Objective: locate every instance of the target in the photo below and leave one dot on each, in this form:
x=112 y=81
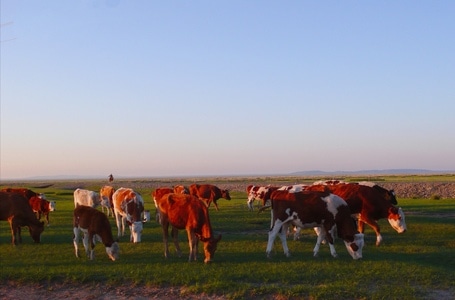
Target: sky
x=193 y=88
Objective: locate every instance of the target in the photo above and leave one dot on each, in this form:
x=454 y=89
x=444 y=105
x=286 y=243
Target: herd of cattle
x=332 y=208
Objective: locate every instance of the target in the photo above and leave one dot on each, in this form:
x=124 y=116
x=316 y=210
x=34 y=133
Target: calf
x=129 y=208
x=92 y=222
x=209 y=193
x=307 y=209
x=15 y=209
x=41 y=207
x=187 y=212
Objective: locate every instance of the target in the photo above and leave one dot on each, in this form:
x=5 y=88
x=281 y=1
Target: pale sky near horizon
x=182 y=88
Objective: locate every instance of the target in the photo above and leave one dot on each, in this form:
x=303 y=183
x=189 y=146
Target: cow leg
x=85 y=242
x=47 y=218
x=76 y=237
x=320 y=239
x=175 y=237
x=274 y=230
x=283 y=238
x=216 y=205
x=192 y=242
x=119 y=223
x=373 y=224
x=165 y=226
x=19 y=234
x=330 y=240
x=13 y=226
x=91 y=238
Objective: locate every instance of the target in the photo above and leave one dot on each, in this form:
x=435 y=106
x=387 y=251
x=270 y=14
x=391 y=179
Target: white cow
x=88 y=198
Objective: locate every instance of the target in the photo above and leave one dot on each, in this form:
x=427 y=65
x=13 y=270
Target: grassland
x=416 y=265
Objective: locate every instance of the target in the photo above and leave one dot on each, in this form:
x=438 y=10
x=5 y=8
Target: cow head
x=113 y=251
x=51 y=205
x=225 y=194
x=136 y=231
x=210 y=245
x=396 y=219
x=355 y=248
x=35 y=231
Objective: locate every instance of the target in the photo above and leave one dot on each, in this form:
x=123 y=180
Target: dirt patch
x=11 y=291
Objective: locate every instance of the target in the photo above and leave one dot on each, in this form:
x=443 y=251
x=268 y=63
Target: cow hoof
x=288 y=254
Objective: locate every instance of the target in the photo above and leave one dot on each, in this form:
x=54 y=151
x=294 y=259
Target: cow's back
x=27 y=193
x=86 y=198
x=92 y=219
x=183 y=210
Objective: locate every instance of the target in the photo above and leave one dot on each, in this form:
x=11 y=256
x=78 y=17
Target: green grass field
x=417 y=264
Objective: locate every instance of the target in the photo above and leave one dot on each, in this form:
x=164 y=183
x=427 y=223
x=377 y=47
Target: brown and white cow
x=307 y=209
x=41 y=207
x=106 y=193
x=259 y=193
x=370 y=202
x=209 y=193
x=15 y=209
x=93 y=223
x=88 y=198
x=129 y=208
x=184 y=211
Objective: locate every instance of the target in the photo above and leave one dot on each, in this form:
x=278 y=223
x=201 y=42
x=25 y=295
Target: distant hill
x=371 y=172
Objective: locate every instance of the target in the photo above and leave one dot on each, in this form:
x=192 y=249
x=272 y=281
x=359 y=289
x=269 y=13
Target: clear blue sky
x=172 y=88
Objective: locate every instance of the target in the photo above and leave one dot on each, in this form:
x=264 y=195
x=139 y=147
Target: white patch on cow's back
x=333 y=202
x=367 y=183
x=296 y=188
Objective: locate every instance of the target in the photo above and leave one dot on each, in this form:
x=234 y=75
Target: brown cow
x=209 y=193
x=371 y=203
x=38 y=202
x=187 y=212
x=308 y=209
x=15 y=209
x=92 y=222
